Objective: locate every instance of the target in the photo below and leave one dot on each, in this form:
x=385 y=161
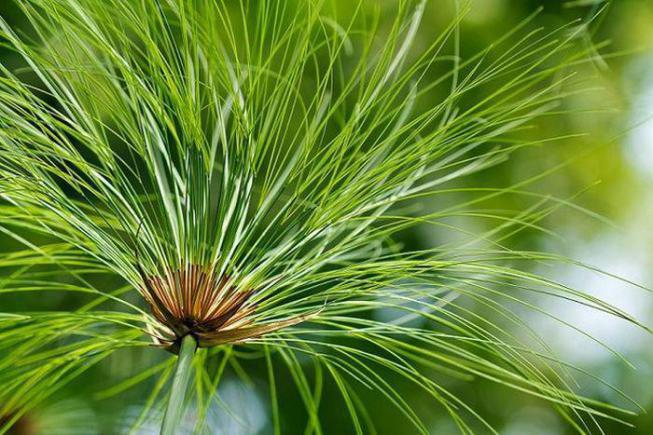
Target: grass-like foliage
x=246 y=169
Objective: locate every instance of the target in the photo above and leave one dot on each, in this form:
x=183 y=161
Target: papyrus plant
x=245 y=169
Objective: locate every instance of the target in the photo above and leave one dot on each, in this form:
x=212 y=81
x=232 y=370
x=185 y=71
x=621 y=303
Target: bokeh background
x=607 y=168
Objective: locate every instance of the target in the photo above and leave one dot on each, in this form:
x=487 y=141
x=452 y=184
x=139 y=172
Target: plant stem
x=176 y=402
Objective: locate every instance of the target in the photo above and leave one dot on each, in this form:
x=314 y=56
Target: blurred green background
x=608 y=169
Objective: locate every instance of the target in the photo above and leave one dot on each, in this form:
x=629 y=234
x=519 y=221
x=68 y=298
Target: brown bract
x=193 y=300
x=22 y=425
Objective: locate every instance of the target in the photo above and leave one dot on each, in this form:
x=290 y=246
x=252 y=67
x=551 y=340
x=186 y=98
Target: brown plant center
x=194 y=300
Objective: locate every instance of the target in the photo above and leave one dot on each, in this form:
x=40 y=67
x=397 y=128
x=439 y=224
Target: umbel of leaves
x=245 y=170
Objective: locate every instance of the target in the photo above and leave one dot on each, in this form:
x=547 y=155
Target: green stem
x=176 y=402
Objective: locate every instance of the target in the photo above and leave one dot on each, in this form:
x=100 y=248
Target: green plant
x=246 y=168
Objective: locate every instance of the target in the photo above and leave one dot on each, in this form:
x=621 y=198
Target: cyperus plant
x=247 y=168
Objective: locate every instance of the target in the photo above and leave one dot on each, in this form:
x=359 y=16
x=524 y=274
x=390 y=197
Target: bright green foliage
x=279 y=144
